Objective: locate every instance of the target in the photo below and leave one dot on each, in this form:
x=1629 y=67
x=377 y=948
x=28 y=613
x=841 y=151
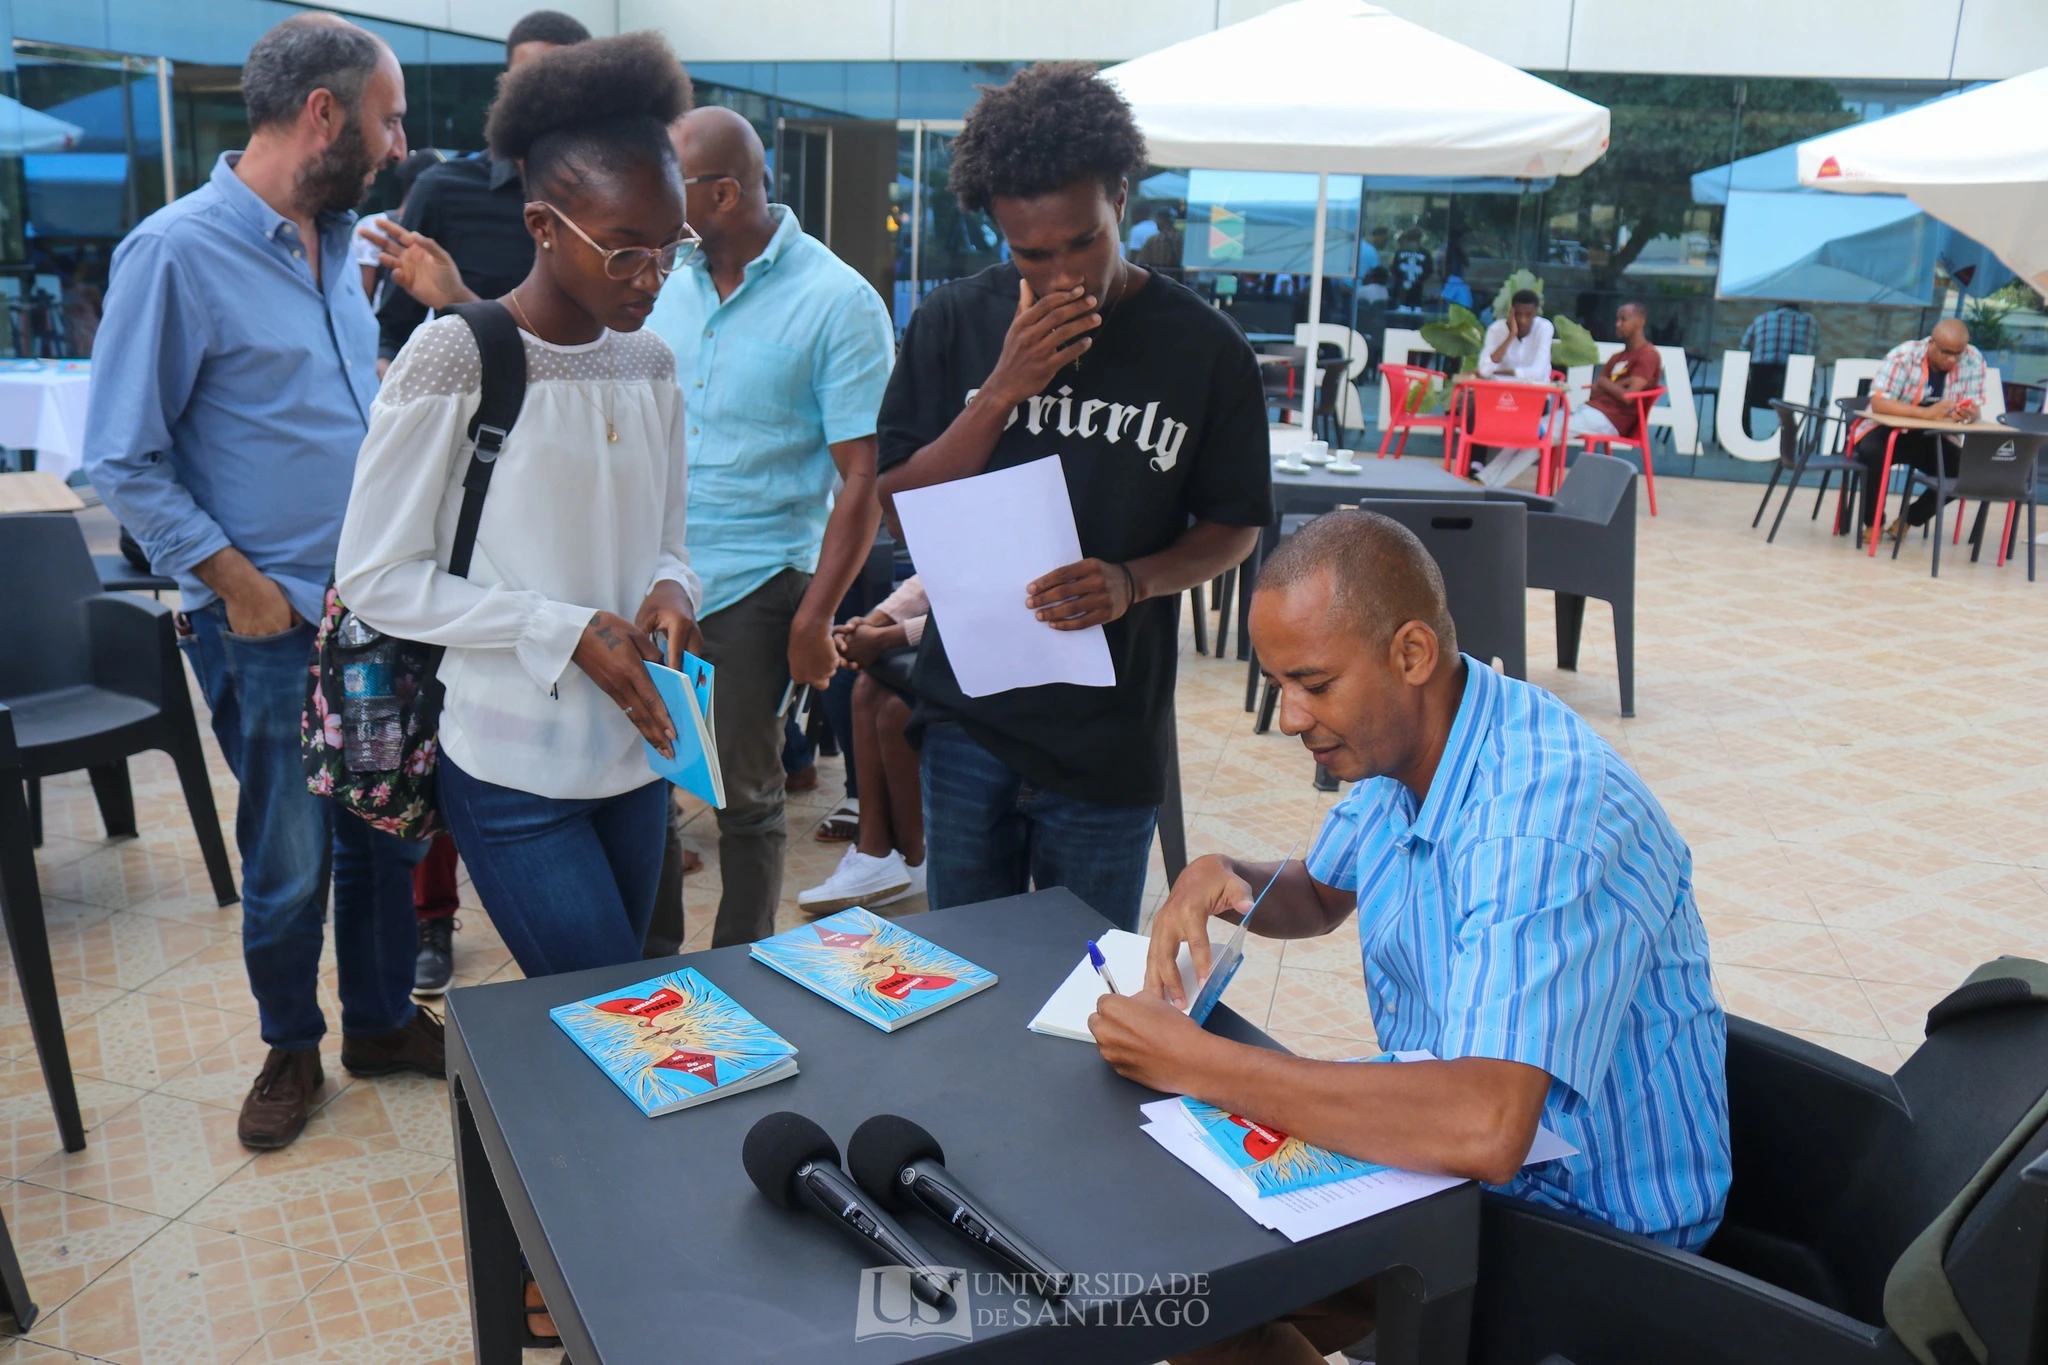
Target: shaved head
x=715 y=140
x=1381 y=576
x=1952 y=333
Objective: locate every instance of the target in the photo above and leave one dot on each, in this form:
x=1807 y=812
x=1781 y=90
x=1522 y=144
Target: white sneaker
x=858 y=880
x=916 y=887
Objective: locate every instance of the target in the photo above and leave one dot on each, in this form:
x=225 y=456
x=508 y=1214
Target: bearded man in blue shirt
x=233 y=376
x=1525 y=913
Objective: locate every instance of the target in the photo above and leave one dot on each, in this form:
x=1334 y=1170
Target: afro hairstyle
x=594 y=109
x=1053 y=124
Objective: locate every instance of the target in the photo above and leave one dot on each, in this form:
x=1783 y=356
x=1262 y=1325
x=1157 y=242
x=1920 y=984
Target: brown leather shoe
x=276 y=1109
x=419 y=1046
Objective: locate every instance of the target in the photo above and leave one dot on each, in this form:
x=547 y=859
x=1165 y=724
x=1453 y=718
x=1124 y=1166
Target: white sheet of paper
x=1065 y=1012
x=977 y=543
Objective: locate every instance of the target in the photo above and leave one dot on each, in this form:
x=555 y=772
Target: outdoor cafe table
x=1899 y=424
x=651 y=1244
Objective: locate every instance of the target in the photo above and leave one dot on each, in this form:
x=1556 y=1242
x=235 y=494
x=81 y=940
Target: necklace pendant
x=611 y=433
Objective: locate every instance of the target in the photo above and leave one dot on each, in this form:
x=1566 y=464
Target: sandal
x=536 y=1313
x=843 y=824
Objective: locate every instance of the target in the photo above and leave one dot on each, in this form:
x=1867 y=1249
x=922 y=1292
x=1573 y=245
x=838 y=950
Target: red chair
x=1644 y=400
x=1408 y=389
x=1494 y=412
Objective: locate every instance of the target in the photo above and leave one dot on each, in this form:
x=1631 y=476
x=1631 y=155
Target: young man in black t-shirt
x=1152 y=402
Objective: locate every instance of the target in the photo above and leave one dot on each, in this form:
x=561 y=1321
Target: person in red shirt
x=1609 y=410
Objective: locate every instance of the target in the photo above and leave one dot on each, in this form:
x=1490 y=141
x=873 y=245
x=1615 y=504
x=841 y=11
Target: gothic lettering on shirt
x=1093 y=419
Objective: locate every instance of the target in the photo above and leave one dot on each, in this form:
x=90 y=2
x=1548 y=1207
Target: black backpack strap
x=504 y=391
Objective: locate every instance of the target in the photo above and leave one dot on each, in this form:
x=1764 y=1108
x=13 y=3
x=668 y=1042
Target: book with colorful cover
x=676 y=1040
x=870 y=967
x=686 y=692
x=1270 y=1161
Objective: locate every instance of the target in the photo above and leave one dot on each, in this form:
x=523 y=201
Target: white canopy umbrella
x=1978 y=161
x=1342 y=86
x=23 y=129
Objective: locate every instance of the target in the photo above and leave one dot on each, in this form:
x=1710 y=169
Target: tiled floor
x=1850 y=748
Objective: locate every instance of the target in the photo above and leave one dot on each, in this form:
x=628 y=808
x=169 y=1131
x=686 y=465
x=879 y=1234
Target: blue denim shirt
x=229 y=392
x=792 y=363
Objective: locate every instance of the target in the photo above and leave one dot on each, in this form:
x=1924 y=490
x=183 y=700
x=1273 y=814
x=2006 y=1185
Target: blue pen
x=1102 y=967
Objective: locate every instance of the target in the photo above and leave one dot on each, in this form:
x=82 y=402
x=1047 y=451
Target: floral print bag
x=397 y=796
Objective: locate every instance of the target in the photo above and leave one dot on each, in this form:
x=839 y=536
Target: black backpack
x=398 y=798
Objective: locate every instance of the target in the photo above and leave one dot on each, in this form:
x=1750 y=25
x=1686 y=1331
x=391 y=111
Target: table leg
x=489 y=1243
x=1413 y=1331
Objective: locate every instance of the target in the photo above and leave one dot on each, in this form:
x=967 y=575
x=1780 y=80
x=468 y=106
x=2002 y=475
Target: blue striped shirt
x=1538 y=908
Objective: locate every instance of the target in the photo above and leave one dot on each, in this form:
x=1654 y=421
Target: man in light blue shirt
x=783 y=352
x=1525 y=914
x=232 y=383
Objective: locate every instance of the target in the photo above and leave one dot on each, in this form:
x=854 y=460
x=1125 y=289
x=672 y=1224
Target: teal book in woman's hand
x=686 y=692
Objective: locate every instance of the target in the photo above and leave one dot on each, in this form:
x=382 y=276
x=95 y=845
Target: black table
x=651 y=1244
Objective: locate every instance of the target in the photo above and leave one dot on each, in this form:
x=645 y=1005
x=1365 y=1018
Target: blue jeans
x=291 y=841
x=989 y=833
x=568 y=884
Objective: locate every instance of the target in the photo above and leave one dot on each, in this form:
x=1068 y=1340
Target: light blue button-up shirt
x=229 y=393
x=791 y=364
x=1538 y=908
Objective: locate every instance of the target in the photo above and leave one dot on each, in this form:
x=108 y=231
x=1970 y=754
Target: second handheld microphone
x=900 y=1164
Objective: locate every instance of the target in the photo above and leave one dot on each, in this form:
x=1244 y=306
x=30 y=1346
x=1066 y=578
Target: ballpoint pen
x=1101 y=965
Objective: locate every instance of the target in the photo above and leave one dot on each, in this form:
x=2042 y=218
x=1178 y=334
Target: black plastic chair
x=87 y=679
x=1583 y=544
x=1858 y=1198
x=1334 y=372
x=1799 y=437
x=1988 y=468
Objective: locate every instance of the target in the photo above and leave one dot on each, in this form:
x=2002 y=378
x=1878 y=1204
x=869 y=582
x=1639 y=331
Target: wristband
x=1130 y=582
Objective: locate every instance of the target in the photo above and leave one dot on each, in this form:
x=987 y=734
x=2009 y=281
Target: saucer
x=1289 y=467
x=1315 y=457
x=1344 y=467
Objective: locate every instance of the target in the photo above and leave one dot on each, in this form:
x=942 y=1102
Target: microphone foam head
x=777 y=1147
x=883 y=1146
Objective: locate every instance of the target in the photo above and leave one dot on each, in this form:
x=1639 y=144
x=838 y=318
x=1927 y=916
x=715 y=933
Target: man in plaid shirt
x=1941 y=379
x=1770 y=339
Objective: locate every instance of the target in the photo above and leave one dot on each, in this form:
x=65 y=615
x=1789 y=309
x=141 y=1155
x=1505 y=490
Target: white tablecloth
x=44 y=410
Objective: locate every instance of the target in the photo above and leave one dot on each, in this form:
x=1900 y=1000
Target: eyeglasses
x=626 y=262
x=1953 y=353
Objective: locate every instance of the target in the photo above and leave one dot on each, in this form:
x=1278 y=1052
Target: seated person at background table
x=1517 y=347
x=1609 y=410
x=1771 y=339
x=1526 y=913
x=886 y=862
x=1152 y=401
x=1940 y=379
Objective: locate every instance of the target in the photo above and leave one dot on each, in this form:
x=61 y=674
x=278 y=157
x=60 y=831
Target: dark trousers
x=1303 y=1337
x=1920 y=449
x=1766 y=381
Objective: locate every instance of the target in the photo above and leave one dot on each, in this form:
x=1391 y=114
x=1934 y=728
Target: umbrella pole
x=1313 y=391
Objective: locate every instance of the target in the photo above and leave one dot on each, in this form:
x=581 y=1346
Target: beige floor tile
x=28 y=1128
x=215 y=978
x=142 y=1040
x=1327 y=1003
x=406 y=1110
x=1879 y=1053
x=1828 y=1004
x=160 y=1154
x=360 y=1315
x=1322 y=1047
x=1336 y=951
x=77 y=1001
x=126 y=949
x=1789 y=945
x=223 y=1076
x=66 y=1241
x=424 y=1238
x=21 y=1351
x=325 y=1193
x=187 y=1296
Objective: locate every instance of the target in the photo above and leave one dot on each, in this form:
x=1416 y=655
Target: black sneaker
x=437 y=956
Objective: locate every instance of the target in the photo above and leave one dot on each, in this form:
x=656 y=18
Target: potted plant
x=1461 y=337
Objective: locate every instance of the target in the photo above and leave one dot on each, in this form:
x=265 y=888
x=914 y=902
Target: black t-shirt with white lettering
x=1162 y=422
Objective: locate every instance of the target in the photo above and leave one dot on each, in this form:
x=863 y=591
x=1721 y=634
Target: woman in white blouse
x=579 y=562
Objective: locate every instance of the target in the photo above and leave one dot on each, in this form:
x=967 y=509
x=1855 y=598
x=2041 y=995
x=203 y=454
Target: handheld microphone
x=901 y=1165
x=796 y=1164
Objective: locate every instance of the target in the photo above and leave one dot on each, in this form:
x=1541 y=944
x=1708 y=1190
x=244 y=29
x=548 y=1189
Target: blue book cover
x=675 y=1041
x=870 y=967
x=686 y=692
x=1271 y=1161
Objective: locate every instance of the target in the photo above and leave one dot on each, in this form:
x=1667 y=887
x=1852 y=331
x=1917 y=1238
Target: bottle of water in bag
x=372 y=733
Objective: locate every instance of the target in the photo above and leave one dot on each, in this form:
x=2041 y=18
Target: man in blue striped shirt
x=1525 y=913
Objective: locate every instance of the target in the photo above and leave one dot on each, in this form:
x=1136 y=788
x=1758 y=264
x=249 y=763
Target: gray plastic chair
x=1482 y=549
x=1799 y=433
x=1989 y=468
x=1583 y=544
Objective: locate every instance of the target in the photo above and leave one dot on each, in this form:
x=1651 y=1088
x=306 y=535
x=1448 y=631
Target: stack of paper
x=1065 y=1013
x=1304 y=1213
